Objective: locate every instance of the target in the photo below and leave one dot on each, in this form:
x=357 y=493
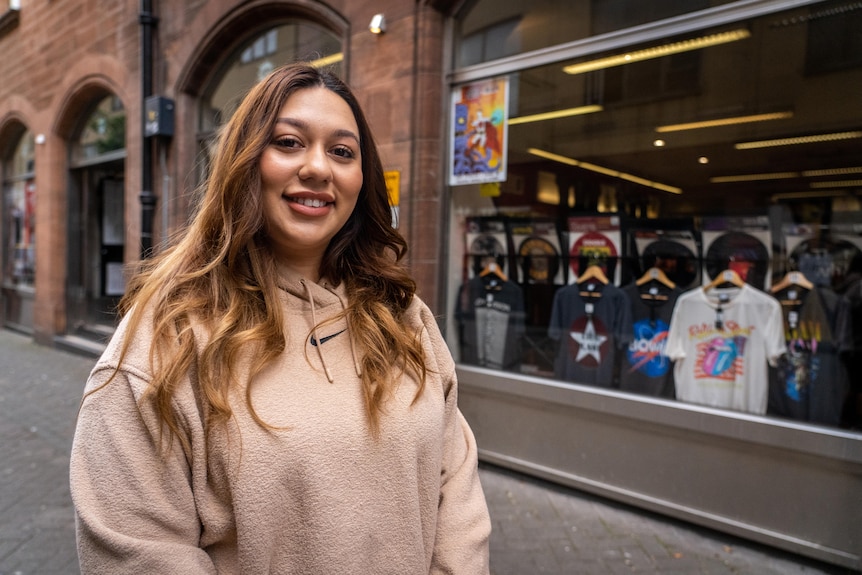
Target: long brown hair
x=222 y=273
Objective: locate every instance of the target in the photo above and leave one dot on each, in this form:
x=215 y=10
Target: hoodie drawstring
x=319 y=345
x=356 y=366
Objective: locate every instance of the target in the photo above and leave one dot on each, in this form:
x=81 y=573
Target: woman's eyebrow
x=303 y=125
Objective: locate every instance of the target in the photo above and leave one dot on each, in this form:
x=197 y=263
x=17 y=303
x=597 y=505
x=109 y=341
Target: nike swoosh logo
x=326 y=338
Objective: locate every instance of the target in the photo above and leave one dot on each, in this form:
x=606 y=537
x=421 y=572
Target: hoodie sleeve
x=134 y=503
x=463 y=523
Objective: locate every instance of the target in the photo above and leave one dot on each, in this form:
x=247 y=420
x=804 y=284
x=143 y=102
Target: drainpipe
x=147 y=197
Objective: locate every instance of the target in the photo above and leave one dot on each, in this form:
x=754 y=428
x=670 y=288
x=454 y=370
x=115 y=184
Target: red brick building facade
x=63 y=57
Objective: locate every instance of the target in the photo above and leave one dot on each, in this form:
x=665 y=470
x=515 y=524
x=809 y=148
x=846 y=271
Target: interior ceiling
x=814 y=73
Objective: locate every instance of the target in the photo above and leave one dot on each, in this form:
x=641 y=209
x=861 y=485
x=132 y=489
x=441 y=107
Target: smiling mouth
x=309 y=202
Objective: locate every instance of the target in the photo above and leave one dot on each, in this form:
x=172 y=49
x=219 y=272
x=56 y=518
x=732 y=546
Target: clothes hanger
x=594 y=272
x=655 y=274
x=793 y=279
x=727 y=276
x=493 y=268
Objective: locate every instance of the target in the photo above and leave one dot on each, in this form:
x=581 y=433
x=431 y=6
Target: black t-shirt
x=644 y=367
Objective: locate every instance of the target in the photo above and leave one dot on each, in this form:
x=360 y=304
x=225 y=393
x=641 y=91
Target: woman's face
x=311 y=173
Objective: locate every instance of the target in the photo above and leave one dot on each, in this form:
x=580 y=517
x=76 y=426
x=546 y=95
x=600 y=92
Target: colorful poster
x=741 y=244
x=672 y=251
x=537 y=248
x=594 y=241
x=478 y=135
x=486 y=244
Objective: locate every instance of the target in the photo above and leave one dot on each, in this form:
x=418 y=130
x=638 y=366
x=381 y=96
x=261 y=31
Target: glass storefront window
x=639 y=177
x=19 y=215
x=492 y=29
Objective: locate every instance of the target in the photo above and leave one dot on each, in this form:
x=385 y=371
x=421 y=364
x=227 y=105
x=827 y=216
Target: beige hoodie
x=322 y=497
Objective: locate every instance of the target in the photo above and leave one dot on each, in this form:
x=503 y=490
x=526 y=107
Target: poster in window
x=741 y=244
x=478 y=132
x=594 y=241
x=672 y=251
x=486 y=244
x=537 y=249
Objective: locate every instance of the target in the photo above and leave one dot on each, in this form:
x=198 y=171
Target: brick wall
x=66 y=54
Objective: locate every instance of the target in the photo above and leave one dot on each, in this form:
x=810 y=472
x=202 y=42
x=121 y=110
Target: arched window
x=19 y=214
x=103 y=135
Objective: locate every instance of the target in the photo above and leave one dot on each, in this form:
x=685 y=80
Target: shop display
x=645 y=367
x=722 y=338
x=827 y=261
x=591 y=323
x=537 y=249
x=486 y=242
x=741 y=244
x=809 y=382
x=674 y=252
x=594 y=241
x=490 y=316
x=850 y=331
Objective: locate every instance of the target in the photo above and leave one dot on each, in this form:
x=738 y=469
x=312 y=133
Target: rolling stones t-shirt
x=722 y=343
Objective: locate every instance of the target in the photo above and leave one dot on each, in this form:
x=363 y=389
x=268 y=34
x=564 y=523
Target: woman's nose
x=316 y=164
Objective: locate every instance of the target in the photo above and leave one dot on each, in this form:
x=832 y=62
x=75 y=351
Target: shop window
x=834 y=37
x=496 y=41
x=674 y=76
x=712 y=171
x=610 y=15
x=491 y=29
x=19 y=215
x=104 y=132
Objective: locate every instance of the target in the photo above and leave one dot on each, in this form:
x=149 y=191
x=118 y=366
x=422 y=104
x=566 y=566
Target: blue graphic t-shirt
x=645 y=368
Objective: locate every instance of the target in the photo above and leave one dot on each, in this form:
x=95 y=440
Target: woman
x=276 y=398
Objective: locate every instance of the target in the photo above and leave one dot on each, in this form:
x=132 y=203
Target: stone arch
x=204 y=46
x=16 y=117
x=90 y=79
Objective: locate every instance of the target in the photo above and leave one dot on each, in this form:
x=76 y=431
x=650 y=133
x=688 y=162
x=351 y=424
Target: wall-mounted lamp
x=378 y=24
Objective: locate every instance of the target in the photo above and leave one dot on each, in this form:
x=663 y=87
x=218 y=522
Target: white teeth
x=310 y=202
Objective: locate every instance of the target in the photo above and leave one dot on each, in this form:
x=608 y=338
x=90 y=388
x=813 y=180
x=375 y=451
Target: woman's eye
x=344 y=152
x=286 y=142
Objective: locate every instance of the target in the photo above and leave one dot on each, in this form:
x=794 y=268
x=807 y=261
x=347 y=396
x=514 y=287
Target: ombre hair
x=221 y=273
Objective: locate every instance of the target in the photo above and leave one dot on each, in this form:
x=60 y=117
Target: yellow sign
x=393 y=186
x=490 y=190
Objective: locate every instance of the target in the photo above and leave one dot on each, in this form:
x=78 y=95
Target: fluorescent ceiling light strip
x=838 y=184
x=556 y=114
x=787 y=175
x=754 y=177
x=799 y=140
x=603 y=170
x=832 y=172
x=797 y=195
x=725 y=122
x=327 y=60
x=658 y=51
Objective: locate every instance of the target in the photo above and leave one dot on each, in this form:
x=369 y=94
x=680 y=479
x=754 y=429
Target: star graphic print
x=588 y=341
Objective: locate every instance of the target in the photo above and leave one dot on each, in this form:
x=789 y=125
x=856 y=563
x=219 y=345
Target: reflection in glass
x=735 y=149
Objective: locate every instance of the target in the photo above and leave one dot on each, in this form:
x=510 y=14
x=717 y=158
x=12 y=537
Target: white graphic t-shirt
x=722 y=342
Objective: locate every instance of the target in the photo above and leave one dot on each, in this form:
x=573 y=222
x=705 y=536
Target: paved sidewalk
x=539 y=528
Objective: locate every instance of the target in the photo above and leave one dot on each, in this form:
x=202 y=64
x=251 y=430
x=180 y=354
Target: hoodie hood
x=320 y=302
